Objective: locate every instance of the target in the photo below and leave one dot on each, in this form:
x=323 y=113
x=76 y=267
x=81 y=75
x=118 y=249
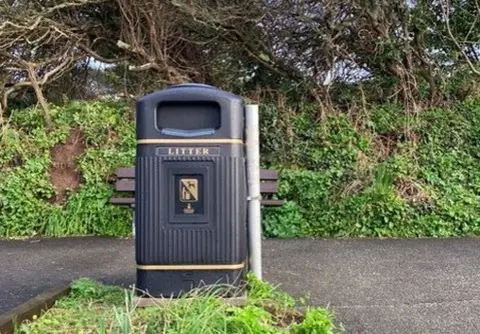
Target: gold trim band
x=192 y=266
x=190 y=141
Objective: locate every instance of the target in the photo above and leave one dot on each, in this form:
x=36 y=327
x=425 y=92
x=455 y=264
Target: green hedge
x=26 y=193
x=384 y=173
x=428 y=184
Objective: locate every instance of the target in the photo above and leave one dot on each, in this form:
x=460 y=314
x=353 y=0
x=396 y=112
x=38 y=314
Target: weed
x=96 y=308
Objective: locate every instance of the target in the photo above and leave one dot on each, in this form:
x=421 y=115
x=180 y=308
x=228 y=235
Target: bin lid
x=198 y=85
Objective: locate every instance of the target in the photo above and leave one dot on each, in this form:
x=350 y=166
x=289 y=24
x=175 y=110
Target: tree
x=405 y=51
x=39 y=42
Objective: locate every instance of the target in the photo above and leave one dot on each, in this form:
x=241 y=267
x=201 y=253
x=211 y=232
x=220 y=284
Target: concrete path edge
x=34 y=307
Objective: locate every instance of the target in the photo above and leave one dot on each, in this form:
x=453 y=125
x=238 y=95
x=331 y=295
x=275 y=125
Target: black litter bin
x=190 y=190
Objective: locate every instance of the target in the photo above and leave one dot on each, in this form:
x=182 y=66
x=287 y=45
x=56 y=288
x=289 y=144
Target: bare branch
x=101 y=58
x=446 y=16
x=78 y=3
x=144 y=67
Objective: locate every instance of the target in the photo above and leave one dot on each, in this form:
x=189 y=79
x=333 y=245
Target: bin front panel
x=190 y=178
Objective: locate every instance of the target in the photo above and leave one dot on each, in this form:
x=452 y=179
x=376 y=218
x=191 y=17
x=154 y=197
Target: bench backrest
x=125 y=183
x=126 y=180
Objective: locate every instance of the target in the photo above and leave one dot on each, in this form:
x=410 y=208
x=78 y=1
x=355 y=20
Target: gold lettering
x=187 y=151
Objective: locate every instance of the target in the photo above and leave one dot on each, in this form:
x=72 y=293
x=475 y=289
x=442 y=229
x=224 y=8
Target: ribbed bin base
x=174 y=283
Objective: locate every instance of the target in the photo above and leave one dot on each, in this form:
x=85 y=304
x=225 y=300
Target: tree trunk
x=1 y=113
x=40 y=98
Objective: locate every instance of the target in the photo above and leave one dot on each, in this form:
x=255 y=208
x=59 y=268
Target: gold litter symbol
x=188 y=190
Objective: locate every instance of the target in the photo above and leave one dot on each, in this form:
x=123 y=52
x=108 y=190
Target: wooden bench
x=125 y=184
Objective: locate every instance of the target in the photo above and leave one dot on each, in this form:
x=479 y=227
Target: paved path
x=375 y=286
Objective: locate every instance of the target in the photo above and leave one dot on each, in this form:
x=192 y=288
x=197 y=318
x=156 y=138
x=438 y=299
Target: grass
x=95 y=308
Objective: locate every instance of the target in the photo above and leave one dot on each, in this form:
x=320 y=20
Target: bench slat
x=129 y=173
x=272 y=202
x=125 y=185
x=268 y=187
x=125 y=173
x=123 y=201
x=268 y=175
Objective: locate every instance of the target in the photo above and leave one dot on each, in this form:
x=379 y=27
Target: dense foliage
x=391 y=174
x=26 y=193
x=379 y=173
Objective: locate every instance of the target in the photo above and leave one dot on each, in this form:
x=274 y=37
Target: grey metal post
x=254 y=197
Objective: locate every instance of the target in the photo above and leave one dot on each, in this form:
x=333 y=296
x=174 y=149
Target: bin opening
x=188 y=115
